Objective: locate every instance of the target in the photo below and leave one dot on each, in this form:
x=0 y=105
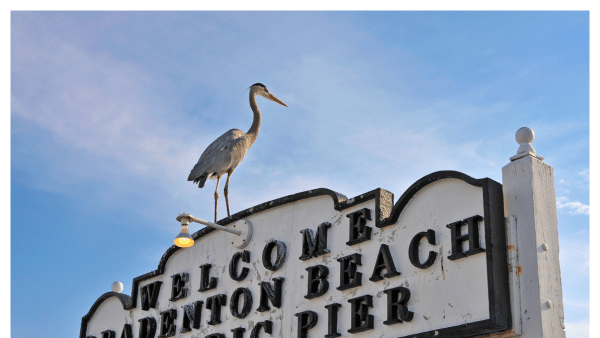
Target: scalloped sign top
x=433 y=263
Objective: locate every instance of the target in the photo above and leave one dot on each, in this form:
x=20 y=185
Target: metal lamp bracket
x=242 y=229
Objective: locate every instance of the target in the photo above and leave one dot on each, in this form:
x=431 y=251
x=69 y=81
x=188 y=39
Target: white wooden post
x=532 y=231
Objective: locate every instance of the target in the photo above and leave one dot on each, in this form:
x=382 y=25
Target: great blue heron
x=225 y=153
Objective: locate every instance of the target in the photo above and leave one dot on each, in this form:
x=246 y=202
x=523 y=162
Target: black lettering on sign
x=361 y=320
x=191 y=316
x=108 y=334
x=397 y=311
x=245 y=256
x=206 y=282
x=306 y=321
x=167 y=326
x=150 y=295
x=413 y=249
x=384 y=261
x=147 y=327
x=349 y=276
x=238 y=332
x=332 y=311
x=472 y=236
x=178 y=289
x=267 y=325
x=267 y=292
x=127 y=331
x=314 y=246
x=234 y=301
x=359 y=232
x=215 y=335
x=281 y=254
x=317 y=281
x=214 y=304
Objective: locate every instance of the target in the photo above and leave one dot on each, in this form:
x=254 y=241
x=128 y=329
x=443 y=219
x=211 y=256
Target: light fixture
x=184 y=240
x=242 y=229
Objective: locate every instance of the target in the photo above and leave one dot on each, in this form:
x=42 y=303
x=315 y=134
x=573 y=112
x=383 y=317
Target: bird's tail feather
x=201 y=181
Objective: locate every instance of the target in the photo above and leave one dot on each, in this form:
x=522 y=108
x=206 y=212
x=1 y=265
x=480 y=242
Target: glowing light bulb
x=184 y=242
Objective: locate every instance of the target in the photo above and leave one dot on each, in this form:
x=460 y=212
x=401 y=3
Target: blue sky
x=111 y=110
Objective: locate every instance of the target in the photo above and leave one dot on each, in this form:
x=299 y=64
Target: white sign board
x=321 y=265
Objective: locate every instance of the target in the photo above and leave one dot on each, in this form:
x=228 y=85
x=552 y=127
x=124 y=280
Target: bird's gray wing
x=225 y=153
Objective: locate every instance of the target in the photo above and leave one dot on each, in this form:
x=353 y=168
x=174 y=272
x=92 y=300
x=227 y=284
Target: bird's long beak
x=273 y=98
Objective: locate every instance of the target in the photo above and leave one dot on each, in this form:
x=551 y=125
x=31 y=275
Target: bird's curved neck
x=253 y=131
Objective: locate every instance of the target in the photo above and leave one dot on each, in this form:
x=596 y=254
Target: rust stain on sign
x=519 y=270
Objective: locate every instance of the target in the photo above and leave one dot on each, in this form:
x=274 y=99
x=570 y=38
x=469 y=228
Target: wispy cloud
x=106 y=124
x=584 y=305
x=561 y=181
x=580 y=329
x=575 y=271
x=585 y=174
x=575 y=254
x=573 y=207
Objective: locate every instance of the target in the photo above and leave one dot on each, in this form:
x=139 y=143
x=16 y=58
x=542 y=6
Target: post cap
x=524 y=138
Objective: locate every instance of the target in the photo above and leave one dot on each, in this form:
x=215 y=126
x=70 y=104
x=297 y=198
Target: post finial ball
x=524 y=135
x=117 y=287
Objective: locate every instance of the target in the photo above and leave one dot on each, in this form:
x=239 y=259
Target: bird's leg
x=226 y=191
x=217 y=197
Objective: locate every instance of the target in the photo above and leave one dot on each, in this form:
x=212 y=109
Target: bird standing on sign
x=225 y=153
